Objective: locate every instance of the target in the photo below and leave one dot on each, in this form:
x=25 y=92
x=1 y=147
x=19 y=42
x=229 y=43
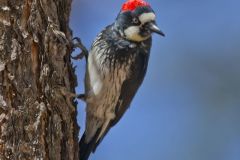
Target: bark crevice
x=37 y=121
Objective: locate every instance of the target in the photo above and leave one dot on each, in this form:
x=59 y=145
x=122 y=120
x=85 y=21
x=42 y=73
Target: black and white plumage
x=116 y=67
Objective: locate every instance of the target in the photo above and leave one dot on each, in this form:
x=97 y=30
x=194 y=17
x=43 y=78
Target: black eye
x=135 y=20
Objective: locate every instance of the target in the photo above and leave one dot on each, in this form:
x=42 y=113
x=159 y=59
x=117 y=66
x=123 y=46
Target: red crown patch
x=131 y=5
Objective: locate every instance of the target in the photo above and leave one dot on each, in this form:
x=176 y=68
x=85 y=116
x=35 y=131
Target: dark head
x=137 y=21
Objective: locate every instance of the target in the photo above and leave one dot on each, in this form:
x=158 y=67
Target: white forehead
x=147 y=17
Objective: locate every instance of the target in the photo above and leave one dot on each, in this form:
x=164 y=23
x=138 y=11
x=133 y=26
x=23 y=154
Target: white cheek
x=132 y=33
x=147 y=17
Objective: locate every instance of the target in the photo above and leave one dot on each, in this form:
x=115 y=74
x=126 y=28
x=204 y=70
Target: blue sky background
x=188 y=107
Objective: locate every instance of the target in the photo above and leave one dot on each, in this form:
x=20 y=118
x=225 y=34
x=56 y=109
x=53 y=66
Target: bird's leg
x=70 y=95
x=82 y=97
x=84 y=51
x=77 y=43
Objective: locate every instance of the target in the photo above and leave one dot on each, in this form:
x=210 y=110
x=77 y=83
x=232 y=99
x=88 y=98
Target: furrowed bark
x=37 y=113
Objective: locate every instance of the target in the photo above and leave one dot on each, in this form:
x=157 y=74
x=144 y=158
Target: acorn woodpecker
x=116 y=66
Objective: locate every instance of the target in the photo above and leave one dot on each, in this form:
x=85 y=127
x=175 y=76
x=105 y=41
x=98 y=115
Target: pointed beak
x=154 y=28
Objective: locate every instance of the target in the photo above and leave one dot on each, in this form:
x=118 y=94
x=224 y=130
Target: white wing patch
x=105 y=88
x=94 y=76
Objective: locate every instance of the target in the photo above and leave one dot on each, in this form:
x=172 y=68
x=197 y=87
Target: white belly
x=104 y=90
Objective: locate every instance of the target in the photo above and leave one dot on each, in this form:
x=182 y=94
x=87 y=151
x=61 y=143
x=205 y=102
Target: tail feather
x=100 y=139
x=85 y=149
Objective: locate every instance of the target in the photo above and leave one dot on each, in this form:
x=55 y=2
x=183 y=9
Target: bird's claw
x=79 y=45
x=82 y=97
x=70 y=95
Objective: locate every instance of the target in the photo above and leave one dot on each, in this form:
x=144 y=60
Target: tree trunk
x=37 y=115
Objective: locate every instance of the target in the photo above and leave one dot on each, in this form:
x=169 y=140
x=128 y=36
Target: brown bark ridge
x=37 y=115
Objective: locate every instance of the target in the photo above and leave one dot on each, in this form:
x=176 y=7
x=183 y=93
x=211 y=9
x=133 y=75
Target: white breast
x=105 y=88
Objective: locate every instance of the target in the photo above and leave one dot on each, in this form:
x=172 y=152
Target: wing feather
x=129 y=89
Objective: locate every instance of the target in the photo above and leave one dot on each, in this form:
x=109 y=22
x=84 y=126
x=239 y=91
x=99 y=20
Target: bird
x=115 y=69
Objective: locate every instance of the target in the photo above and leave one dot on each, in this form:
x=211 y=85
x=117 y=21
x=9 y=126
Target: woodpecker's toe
x=78 y=44
x=82 y=97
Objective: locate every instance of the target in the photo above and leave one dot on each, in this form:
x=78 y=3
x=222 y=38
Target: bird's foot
x=81 y=96
x=78 y=44
x=70 y=95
